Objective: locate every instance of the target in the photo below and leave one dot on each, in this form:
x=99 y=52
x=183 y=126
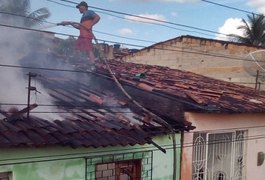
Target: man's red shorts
x=84 y=44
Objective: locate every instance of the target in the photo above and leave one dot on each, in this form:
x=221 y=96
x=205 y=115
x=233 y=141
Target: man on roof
x=88 y=20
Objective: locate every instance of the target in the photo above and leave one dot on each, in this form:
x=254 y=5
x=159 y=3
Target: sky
x=184 y=17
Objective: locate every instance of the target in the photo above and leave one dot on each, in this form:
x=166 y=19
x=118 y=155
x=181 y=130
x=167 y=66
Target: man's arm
x=95 y=19
x=74 y=24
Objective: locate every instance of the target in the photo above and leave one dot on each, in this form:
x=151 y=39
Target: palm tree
x=253 y=30
x=18 y=11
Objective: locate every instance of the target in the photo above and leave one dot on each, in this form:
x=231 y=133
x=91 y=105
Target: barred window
x=123 y=170
x=127 y=166
x=218 y=156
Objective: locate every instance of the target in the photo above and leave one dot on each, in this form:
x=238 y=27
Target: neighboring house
x=104 y=135
x=228 y=141
x=223 y=60
x=225 y=146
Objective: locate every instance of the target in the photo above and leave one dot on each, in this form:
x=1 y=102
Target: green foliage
x=65 y=47
x=18 y=12
x=253 y=29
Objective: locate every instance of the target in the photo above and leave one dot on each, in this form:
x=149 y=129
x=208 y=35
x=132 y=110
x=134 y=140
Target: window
x=218 y=156
x=123 y=170
x=5 y=176
x=127 y=166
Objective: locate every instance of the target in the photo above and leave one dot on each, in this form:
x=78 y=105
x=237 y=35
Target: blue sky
x=195 y=13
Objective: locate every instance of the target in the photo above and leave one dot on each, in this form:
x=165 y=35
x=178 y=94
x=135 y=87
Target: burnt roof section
x=90 y=117
x=72 y=132
x=93 y=115
x=195 y=92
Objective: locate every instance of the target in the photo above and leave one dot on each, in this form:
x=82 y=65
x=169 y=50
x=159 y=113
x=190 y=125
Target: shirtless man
x=88 y=20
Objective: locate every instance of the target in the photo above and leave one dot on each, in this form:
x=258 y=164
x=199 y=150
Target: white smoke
x=15 y=44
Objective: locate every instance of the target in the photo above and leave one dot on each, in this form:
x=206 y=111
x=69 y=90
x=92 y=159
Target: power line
x=124 y=37
x=24 y=28
x=181 y=50
x=229 y=7
x=78 y=112
x=109 y=110
x=152 y=19
x=146 y=22
x=27 y=17
x=63 y=105
x=95 y=31
x=33 y=159
x=175 y=50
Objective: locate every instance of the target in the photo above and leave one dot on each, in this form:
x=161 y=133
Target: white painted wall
x=253 y=123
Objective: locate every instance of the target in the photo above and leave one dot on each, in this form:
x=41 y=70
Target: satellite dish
x=254 y=64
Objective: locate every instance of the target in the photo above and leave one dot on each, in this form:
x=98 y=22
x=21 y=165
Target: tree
x=18 y=11
x=253 y=30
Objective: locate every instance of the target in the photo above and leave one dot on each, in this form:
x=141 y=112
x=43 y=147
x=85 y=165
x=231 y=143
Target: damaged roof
x=195 y=92
x=89 y=118
x=91 y=114
x=94 y=114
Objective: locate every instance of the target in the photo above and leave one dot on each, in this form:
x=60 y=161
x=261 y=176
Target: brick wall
x=213 y=58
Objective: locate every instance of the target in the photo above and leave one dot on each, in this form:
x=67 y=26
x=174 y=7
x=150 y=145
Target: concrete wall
x=217 y=59
x=60 y=163
x=253 y=123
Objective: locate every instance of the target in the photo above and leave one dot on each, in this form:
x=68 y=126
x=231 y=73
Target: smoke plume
x=16 y=44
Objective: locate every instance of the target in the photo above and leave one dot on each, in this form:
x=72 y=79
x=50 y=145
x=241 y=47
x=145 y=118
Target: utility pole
x=257 y=83
x=30 y=88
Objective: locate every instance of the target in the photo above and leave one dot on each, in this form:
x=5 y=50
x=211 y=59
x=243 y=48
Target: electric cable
x=229 y=7
x=113 y=111
x=71 y=35
x=31 y=159
x=155 y=117
x=146 y=22
x=100 y=32
x=18 y=15
x=256 y=62
x=63 y=105
x=151 y=19
x=140 y=46
x=76 y=112
x=51 y=69
x=174 y=50
x=52 y=23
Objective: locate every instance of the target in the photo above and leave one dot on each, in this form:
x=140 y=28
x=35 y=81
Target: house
x=225 y=60
x=103 y=134
x=100 y=135
x=228 y=141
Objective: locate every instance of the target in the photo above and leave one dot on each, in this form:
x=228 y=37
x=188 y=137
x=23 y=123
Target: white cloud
x=147 y=18
x=174 y=14
x=259 y=4
x=125 y=31
x=230 y=27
